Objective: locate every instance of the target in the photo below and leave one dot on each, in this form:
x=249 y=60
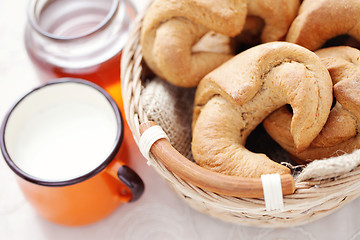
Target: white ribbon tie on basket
x=148 y=138
x=271 y=182
x=273 y=195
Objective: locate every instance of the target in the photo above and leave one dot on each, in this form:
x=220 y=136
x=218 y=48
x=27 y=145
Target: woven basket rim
x=312 y=199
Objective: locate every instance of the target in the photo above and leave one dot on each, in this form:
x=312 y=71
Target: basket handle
x=209 y=180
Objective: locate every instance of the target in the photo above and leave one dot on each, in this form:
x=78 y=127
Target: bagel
x=321 y=20
x=340 y=133
x=234 y=98
x=171 y=29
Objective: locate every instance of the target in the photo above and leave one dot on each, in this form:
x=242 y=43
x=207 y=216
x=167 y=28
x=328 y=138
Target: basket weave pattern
x=321 y=188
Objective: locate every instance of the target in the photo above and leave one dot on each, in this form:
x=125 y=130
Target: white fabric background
x=159 y=214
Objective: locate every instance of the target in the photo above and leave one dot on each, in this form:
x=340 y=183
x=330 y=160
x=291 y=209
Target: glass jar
x=79 y=38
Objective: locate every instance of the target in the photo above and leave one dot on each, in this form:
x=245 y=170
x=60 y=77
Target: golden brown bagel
x=340 y=133
x=234 y=98
x=171 y=28
x=321 y=20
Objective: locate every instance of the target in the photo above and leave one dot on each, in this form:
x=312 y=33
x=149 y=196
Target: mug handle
x=132 y=180
x=129 y=178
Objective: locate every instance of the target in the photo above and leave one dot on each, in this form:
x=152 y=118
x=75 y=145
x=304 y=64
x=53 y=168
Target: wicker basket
x=320 y=188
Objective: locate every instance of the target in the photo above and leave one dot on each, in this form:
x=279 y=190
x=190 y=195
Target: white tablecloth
x=159 y=214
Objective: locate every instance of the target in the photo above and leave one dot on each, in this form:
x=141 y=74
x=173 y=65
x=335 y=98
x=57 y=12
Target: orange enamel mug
x=70 y=176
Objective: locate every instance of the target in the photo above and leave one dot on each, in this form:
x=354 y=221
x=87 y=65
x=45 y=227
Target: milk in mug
x=64 y=139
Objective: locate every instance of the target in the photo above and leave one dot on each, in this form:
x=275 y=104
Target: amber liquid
x=106 y=75
x=68 y=18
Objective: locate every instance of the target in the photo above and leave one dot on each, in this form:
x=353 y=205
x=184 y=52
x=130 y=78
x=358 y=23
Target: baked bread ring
x=321 y=20
x=234 y=98
x=171 y=28
x=340 y=133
